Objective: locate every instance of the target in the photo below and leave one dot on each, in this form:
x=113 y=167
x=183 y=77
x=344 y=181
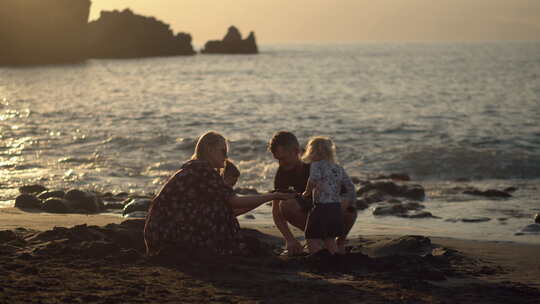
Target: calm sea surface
x=439 y=112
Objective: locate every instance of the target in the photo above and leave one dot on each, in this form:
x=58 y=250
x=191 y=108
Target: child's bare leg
x=313 y=245
x=330 y=244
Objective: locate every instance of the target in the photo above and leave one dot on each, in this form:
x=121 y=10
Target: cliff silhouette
x=127 y=35
x=232 y=43
x=39 y=31
x=57 y=31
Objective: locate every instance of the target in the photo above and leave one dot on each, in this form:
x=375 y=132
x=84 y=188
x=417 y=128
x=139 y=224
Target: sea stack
x=232 y=43
x=127 y=35
x=43 y=31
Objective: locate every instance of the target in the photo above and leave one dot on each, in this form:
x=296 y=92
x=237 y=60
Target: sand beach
x=74 y=258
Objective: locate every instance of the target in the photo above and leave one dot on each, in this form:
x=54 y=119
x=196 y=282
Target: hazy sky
x=343 y=20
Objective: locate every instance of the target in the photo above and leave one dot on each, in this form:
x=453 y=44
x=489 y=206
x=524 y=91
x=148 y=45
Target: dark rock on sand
x=7 y=235
x=421 y=214
x=139 y=204
x=530 y=229
x=55 y=205
x=33 y=189
x=127 y=35
x=232 y=43
x=408 y=244
x=43 y=31
x=472 y=219
x=249 y=216
x=395 y=176
x=27 y=201
x=53 y=193
x=488 y=193
x=82 y=200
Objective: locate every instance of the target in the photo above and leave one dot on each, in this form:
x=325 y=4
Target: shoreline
x=12 y=218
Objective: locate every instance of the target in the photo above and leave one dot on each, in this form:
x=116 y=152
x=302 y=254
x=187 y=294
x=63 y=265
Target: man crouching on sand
x=293 y=173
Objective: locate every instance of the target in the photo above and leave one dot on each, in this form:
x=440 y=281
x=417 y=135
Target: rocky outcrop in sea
x=232 y=43
x=127 y=35
x=57 y=31
x=43 y=32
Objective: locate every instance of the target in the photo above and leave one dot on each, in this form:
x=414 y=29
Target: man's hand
x=294 y=247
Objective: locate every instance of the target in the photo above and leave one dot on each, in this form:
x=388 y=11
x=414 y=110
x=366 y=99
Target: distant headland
x=57 y=31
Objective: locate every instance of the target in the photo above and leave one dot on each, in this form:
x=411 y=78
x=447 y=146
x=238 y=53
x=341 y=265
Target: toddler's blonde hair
x=320 y=148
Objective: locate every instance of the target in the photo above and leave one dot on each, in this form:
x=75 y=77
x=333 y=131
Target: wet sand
x=103 y=262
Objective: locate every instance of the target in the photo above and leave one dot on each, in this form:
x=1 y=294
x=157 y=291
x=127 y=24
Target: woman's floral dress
x=192 y=212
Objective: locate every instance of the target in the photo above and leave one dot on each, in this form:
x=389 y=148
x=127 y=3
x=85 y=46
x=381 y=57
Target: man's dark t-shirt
x=296 y=178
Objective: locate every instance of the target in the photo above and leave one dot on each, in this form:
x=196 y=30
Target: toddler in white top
x=326 y=179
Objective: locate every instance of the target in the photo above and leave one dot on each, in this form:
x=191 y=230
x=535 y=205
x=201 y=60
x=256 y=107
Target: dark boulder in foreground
x=127 y=35
x=43 y=32
x=232 y=43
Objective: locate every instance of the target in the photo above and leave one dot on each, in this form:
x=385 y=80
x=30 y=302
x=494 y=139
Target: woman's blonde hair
x=320 y=148
x=206 y=142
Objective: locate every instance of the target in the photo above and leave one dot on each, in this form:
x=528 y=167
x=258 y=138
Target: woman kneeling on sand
x=193 y=211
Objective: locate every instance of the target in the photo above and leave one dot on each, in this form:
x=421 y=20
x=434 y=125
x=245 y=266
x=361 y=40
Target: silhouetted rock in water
x=56 y=205
x=43 y=31
x=53 y=193
x=232 y=43
x=127 y=35
x=84 y=201
x=510 y=189
x=139 y=204
x=488 y=193
x=27 y=201
x=415 y=192
x=32 y=189
x=114 y=205
x=395 y=176
x=402 y=210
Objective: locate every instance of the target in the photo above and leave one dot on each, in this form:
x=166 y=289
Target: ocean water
x=440 y=112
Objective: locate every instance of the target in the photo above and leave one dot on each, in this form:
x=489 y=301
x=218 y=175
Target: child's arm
x=315 y=175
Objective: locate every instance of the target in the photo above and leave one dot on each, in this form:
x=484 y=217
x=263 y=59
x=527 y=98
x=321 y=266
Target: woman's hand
x=280 y=196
